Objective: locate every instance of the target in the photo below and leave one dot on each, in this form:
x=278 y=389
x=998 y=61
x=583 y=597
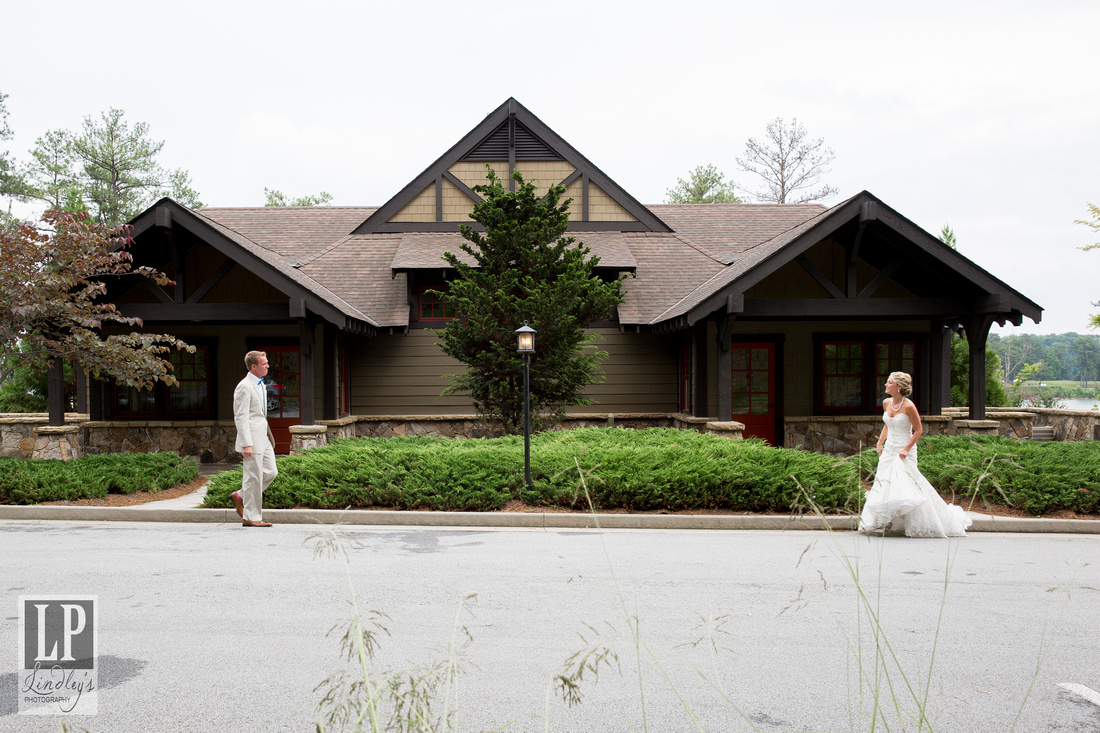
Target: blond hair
x=253 y=357
x=904 y=383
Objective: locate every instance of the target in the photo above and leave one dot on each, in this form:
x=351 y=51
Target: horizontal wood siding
x=401 y=374
x=640 y=372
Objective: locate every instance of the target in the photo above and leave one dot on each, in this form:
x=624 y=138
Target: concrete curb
x=534 y=520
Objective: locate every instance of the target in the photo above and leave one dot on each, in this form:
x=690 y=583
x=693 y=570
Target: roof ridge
x=321 y=253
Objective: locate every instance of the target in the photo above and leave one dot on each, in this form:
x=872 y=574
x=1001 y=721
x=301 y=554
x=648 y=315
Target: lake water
x=1081 y=404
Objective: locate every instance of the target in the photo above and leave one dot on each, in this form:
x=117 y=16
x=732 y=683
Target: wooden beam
x=818 y=275
x=224 y=312
x=469 y=192
x=206 y=287
x=881 y=278
x=157 y=291
x=849 y=308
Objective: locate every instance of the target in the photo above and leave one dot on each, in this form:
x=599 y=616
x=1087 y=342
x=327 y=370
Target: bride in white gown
x=901 y=499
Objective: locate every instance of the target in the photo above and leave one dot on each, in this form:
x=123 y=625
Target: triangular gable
x=970 y=289
x=510 y=138
x=303 y=292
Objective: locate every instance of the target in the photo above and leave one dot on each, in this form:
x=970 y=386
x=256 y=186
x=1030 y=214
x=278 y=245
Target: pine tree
x=525 y=271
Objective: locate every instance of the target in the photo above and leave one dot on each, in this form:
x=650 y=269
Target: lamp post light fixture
x=525 y=338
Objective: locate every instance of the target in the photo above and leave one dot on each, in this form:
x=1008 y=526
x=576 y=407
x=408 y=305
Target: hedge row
x=91 y=477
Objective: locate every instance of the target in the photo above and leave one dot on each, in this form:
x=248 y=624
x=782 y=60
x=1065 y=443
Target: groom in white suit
x=254 y=440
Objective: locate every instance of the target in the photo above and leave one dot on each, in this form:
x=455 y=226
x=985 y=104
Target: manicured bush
x=640 y=470
x=1037 y=478
x=91 y=477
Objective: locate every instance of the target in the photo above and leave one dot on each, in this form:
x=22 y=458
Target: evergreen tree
x=525 y=271
x=705 y=185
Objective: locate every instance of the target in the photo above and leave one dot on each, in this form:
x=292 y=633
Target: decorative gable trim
x=725 y=292
x=512 y=133
x=303 y=294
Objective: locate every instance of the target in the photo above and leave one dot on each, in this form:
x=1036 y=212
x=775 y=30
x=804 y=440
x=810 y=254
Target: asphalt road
x=213 y=627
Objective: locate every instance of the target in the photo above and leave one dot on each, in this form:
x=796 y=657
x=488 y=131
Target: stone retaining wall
x=30 y=436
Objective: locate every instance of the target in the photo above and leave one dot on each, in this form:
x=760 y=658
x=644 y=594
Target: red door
x=752 y=388
x=283 y=392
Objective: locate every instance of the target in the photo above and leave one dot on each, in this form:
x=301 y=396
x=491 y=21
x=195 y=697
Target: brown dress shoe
x=255 y=524
x=238 y=503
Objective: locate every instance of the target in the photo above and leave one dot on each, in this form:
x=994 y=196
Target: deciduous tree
x=788 y=161
x=705 y=185
x=525 y=270
x=278 y=198
x=51 y=278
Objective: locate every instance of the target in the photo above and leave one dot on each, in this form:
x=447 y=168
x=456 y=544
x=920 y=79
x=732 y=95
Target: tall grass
x=884 y=692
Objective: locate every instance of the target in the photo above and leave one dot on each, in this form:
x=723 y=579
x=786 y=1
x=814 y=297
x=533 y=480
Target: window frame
x=871 y=382
x=422 y=299
x=162 y=397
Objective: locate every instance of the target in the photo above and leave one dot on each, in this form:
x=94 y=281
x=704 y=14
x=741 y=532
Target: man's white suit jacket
x=249 y=415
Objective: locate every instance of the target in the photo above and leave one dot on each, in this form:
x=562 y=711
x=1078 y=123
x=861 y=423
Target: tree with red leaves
x=52 y=278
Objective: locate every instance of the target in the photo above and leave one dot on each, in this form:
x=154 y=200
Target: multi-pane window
x=434 y=309
x=191 y=397
x=750 y=382
x=894 y=356
x=853 y=373
x=842 y=374
x=283 y=382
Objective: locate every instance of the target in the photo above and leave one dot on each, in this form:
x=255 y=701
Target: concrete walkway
x=186 y=509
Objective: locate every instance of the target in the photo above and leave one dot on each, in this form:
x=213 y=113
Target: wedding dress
x=901 y=499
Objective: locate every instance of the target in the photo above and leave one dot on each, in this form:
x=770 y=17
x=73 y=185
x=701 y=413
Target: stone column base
x=61 y=441
x=976 y=427
x=304 y=437
x=726 y=429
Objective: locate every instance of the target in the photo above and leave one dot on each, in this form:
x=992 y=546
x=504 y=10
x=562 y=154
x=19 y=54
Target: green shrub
x=91 y=477
x=640 y=470
x=1037 y=478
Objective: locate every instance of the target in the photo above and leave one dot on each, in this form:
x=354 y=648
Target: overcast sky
x=981 y=115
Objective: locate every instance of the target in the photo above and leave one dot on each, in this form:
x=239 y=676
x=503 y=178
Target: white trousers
x=259 y=472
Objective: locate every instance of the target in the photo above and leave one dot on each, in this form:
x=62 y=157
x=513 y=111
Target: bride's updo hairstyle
x=904 y=382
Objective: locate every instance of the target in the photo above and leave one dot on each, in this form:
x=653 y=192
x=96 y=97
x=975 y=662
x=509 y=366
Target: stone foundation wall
x=1067 y=424
x=29 y=435
x=470 y=426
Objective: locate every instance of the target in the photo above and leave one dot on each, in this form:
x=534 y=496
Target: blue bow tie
x=261 y=381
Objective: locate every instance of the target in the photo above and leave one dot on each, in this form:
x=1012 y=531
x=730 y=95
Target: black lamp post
x=525 y=336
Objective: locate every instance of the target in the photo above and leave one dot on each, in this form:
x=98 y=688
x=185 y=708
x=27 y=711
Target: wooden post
x=306 y=388
x=977 y=331
x=55 y=382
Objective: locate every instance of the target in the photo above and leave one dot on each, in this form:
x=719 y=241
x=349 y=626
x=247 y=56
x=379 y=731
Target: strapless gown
x=901 y=496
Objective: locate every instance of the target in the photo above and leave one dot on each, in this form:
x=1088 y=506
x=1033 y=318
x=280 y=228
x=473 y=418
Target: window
x=842 y=370
x=191 y=399
x=432 y=308
x=894 y=356
x=852 y=372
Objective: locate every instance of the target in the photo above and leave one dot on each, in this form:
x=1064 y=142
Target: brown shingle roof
x=294 y=232
x=672 y=271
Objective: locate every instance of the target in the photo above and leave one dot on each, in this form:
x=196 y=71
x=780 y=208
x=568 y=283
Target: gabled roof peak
x=508 y=139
